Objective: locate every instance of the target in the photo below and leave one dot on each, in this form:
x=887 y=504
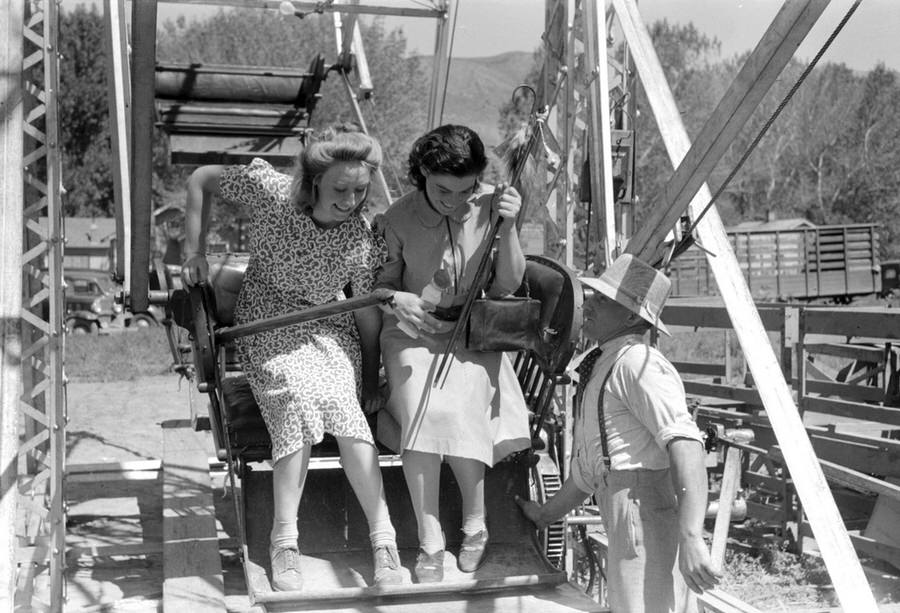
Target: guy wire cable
x=686 y=240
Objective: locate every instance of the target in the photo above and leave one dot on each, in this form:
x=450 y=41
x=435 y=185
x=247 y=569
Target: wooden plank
x=885 y=444
x=881 y=323
x=856 y=410
x=747 y=395
x=700 y=368
x=677 y=313
x=860 y=393
x=882 y=524
x=837 y=550
x=860 y=481
x=600 y=138
x=877 y=549
x=759 y=72
x=731 y=480
x=717 y=601
x=119 y=97
x=866 y=545
x=864 y=353
x=868 y=458
x=191 y=564
x=12 y=14
x=313 y=7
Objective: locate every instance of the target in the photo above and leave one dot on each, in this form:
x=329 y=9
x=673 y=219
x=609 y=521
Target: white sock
x=431 y=537
x=284 y=533
x=381 y=532
x=473 y=524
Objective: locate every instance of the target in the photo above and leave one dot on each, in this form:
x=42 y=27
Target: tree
x=83 y=125
x=395 y=114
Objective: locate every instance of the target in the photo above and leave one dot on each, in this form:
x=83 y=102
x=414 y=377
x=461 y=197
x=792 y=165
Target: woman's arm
x=510 y=265
x=202 y=185
x=368 y=322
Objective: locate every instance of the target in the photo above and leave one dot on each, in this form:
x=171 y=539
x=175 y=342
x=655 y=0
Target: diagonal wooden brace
x=837 y=550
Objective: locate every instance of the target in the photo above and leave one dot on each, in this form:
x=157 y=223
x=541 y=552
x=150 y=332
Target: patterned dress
x=305 y=377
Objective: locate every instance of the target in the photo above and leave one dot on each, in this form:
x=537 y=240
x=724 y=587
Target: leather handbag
x=504 y=324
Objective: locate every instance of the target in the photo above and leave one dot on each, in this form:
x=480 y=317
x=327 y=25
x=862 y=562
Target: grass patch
x=772 y=579
x=122 y=356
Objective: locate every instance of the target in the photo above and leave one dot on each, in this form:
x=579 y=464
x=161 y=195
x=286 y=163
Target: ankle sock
x=473 y=524
x=284 y=533
x=381 y=532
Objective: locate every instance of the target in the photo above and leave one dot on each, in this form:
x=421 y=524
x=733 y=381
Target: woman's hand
x=374 y=398
x=414 y=311
x=195 y=270
x=507 y=205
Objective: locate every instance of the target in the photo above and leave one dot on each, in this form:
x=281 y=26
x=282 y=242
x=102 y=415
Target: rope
x=771 y=120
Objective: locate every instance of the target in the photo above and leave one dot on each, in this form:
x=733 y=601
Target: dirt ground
x=120 y=422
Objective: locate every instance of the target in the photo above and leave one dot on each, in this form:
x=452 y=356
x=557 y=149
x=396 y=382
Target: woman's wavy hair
x=339 y=143
x=448 y=149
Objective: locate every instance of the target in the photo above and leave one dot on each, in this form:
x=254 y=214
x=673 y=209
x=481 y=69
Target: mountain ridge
x=479 y=86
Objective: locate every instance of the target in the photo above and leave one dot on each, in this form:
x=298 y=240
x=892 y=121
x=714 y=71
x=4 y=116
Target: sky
x=490 y=27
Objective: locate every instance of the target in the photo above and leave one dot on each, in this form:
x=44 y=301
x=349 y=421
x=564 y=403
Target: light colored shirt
x=644 y=410
x=421 y=241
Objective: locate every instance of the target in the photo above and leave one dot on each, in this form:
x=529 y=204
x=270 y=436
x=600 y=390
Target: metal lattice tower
x=40 y=524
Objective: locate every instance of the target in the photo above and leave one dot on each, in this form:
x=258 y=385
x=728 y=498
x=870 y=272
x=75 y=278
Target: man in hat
x=637 y=449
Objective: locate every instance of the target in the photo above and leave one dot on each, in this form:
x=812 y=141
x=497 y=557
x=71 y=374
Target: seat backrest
x=226 y=274
x=559 y=291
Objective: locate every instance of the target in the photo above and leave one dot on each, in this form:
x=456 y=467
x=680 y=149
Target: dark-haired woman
x=308 y=240
x=476 y=415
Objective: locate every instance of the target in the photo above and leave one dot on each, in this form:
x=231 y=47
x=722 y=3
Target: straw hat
x=637 y=286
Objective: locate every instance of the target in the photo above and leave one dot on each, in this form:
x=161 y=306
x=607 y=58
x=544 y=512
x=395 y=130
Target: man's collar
x=610 y=347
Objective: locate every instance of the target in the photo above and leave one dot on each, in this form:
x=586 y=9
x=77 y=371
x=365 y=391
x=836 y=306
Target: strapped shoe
x=286 y=575
x=429 y=568
x=387 y=565
x=471 y=552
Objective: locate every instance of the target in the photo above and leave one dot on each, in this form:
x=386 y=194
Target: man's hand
x=696 y=565
x=532 y=511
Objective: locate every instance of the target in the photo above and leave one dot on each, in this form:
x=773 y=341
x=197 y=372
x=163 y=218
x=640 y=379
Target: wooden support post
x=12 y=14
x=760 y=71
x=600 y=139
x=731 y=478
x=441 y=66
x=119 y=95
x=143 y=116
x=837 y=550
x=191 y=564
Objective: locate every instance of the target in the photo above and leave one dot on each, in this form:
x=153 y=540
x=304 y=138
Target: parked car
x=89 y=300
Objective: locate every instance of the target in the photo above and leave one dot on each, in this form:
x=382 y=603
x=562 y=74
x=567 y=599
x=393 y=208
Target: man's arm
x=567 y=498
x=689 y=478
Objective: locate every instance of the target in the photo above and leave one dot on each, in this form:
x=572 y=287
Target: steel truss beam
x=39 y=464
